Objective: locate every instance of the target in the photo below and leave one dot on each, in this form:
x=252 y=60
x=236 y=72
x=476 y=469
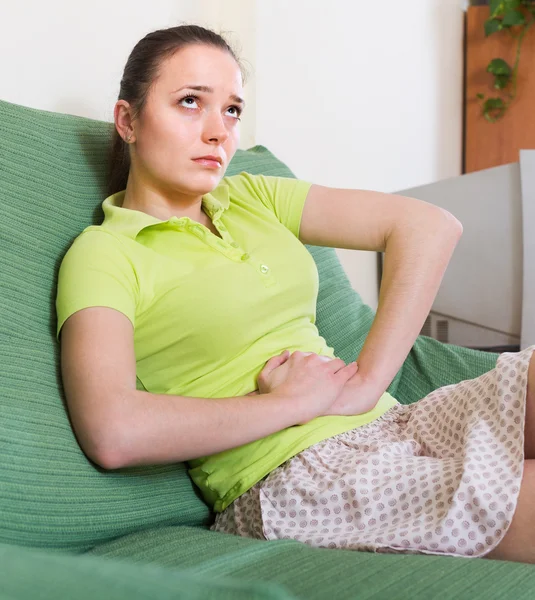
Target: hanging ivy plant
x=515 y=17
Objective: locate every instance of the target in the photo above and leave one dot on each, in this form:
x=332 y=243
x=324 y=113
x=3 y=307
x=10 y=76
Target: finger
x=278 y=358
x=335 y=364
x=275 y=361
x=349 y=370
x=283 y=356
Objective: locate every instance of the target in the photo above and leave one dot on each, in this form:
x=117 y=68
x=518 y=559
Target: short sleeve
x=95 y=271
x=284 y=196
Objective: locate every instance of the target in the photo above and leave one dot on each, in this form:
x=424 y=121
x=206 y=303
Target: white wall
x=69 y=56
x=359 y=94
x=349 y=93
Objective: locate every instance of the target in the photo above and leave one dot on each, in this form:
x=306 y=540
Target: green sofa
x=70 y=529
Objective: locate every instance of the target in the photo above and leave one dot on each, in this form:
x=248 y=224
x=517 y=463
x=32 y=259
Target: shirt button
x=245 y=256
x=264 y=268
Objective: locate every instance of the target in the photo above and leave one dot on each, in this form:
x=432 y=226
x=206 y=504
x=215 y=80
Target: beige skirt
x=440 y=476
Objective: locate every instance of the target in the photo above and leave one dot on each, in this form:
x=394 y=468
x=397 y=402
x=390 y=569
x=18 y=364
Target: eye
x=189 y=101
x=236 y=111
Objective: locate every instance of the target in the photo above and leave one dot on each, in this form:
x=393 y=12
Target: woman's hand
x=310 y=381
x=276 y=372
x=274 y=366
x=356 y=397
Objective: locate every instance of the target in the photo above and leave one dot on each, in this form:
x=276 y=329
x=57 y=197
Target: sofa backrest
x=52 y=183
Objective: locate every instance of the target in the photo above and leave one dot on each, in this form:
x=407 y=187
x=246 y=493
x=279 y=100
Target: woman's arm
x=161 y=429
x=119 y=426
x=417 y=253
x=418 y=239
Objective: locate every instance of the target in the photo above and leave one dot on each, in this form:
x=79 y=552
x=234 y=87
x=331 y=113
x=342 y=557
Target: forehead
x=200 y=65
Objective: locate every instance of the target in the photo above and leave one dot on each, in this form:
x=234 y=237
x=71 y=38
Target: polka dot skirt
x=440 y=476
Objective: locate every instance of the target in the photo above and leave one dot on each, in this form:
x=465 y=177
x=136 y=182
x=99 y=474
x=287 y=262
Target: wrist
x=369 y=381
x=293 y=410
x=368 y=389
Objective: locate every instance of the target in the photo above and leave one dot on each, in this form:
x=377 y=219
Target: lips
x=209 y=160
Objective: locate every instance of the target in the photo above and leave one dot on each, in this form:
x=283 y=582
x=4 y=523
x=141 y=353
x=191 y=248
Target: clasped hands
x=358 y=395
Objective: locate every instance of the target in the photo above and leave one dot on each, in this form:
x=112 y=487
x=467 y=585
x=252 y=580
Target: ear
x=122 y=115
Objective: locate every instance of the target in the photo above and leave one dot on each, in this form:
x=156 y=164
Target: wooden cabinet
x=492 y=144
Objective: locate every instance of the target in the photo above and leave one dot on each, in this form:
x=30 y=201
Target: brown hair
x=140 y=71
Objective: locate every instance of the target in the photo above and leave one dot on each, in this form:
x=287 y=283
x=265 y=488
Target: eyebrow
x=209 y=90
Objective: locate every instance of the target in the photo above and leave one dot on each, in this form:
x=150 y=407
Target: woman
x=187 y=332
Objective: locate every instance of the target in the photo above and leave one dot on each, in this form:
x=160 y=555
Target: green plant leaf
x=513 y=17
x=492 y=25
x=501 y=81
x=498 y=66
x=496 y=7
x=494 y=109
x=494 y=103
x=480 y=96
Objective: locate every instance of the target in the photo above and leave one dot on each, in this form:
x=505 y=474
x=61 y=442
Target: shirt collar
x=130 y=222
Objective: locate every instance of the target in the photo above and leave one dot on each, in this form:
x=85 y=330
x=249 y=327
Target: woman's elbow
x=108 y=461
x=104 y=457
x=450 y=225
x=101 y=448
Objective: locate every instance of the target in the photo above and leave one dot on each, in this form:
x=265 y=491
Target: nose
x=215 y=130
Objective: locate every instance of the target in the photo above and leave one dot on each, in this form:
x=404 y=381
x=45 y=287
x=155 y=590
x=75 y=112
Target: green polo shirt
x=209 y=312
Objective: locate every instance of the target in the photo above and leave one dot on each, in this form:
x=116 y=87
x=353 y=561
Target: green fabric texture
x=28 y=574
x=319 y=573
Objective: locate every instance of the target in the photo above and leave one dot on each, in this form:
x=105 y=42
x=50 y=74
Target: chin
x=206 y=182
x=195 y=182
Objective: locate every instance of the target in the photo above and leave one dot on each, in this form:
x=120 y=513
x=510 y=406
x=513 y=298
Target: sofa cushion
x=29 y=573
x=325 y=573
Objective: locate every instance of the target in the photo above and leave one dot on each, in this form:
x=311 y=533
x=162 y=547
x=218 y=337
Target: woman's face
x=192 y=111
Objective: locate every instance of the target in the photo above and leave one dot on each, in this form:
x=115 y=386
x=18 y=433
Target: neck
x=157 y=203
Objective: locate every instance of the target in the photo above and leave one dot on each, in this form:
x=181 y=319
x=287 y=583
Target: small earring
x=128 y=138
